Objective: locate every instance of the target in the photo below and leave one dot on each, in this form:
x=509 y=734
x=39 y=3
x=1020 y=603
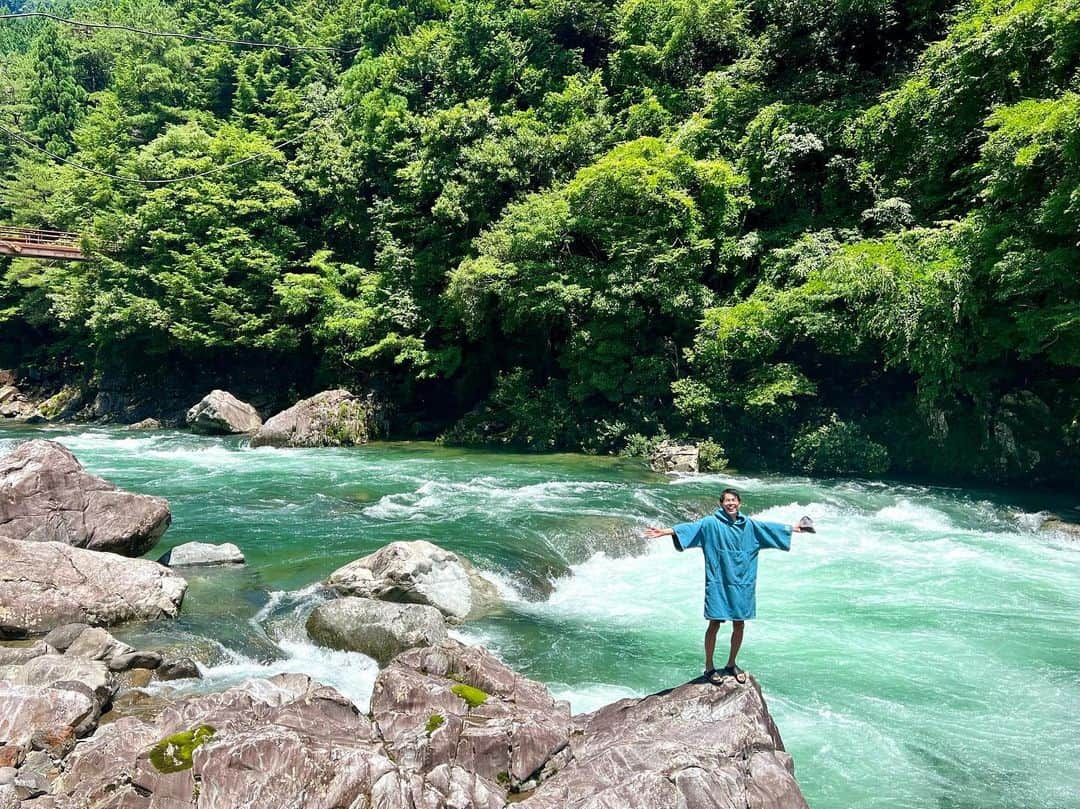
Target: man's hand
x=656 y=533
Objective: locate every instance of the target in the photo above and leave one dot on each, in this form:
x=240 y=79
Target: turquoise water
x=922 y=650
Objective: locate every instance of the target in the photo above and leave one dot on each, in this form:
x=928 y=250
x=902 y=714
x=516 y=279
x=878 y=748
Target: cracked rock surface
x=698 y=745
x=44 y=585
x=333 y=418
x=47 y=496
x=221 y=413
x=289 y=741
x=419 y=572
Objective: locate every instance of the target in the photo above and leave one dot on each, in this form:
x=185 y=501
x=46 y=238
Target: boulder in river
x=333 y=418
x=696 y=746
x=221 y=413
x=145 y=424
x=672 y=457
x=377 y=629
x=198 y=554
x=454 y=703
x=44 y=585
x=1056 y=525
x=419 y=572
x=47 y=496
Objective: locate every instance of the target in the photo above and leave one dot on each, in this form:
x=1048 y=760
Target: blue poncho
x=731 y=550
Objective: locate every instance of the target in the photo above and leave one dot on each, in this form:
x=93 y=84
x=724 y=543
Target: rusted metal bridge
x=35 y=243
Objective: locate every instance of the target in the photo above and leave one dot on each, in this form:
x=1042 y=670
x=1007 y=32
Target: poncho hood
x=721 y=515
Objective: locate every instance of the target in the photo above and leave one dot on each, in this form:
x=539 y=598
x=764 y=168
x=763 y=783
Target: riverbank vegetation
x=836 y=236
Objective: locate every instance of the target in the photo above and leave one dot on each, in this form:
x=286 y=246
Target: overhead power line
x=176 y=35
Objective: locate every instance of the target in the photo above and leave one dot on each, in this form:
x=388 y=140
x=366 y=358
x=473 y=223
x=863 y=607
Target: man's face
x=730 y=504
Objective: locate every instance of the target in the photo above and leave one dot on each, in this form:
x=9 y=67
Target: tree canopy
x=830 y=236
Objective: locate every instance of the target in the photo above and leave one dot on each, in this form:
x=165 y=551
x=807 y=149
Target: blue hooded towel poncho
x=731 y=550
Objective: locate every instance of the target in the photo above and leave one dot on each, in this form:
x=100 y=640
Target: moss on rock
x=473 y=696
x=436 y=721
x=174 y=753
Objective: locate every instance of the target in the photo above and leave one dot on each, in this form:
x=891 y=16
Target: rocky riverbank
x=86 y=721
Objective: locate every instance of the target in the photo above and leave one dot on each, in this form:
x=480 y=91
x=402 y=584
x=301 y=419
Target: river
x=921 y=650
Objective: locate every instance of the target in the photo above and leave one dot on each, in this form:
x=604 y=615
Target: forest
x=835 y=237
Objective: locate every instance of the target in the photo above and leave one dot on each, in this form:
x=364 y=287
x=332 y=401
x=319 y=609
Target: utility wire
x=175 y=35
x=158 y=180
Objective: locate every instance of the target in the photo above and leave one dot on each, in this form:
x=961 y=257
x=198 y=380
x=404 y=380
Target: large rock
x=333 y=418
x=221 y=413
x=47 y=496
x=91 y=677
x=672 y=457
x=13 y=404
x=44 y=585
x=198 y=554
x=453 y=729
x=419 y=572
x=459 y=704
x=281 y=743
x=26 y=710
x=375 y=628
x=697 y=746
x=17 y=655
x=1056 y=525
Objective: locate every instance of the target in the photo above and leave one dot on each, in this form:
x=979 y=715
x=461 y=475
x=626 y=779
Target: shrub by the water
x=838 y=448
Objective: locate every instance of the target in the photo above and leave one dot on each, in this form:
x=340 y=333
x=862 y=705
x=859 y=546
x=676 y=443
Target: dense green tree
x=830 y=235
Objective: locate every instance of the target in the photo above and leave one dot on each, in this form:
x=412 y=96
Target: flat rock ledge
x=46 y=584
x=47 y=496
x=201 y=554
x=451 y=727
x=419 y=572
x=333 y=418
x=221 y=413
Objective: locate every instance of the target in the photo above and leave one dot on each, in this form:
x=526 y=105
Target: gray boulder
x=459 y=704
x=196 y=554
x=182 y=669
x=61 y=671
x=13 y=404
x=1056 y=525
x=17 y=655
x=221 y=413
x=145 y=424
x=419 y=572
x=63 y=636
x=672 y=457
x=47 y=496
x=27 y=711
x=95 y=643
x=44 y=585
x=697 y=746
x=375 y=628
x=333 y=418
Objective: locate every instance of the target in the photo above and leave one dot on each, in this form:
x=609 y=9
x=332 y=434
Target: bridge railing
x=38 y=236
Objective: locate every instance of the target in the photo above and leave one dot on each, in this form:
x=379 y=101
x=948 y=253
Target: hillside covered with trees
x=835 y=236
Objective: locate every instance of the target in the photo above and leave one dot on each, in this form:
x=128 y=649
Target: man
x=730 y=542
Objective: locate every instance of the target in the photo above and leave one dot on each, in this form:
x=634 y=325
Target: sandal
x=715 y=676
x=732 y=671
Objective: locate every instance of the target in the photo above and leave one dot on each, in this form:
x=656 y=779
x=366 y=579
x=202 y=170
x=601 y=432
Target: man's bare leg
x=737 y=628
x=710 y=643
